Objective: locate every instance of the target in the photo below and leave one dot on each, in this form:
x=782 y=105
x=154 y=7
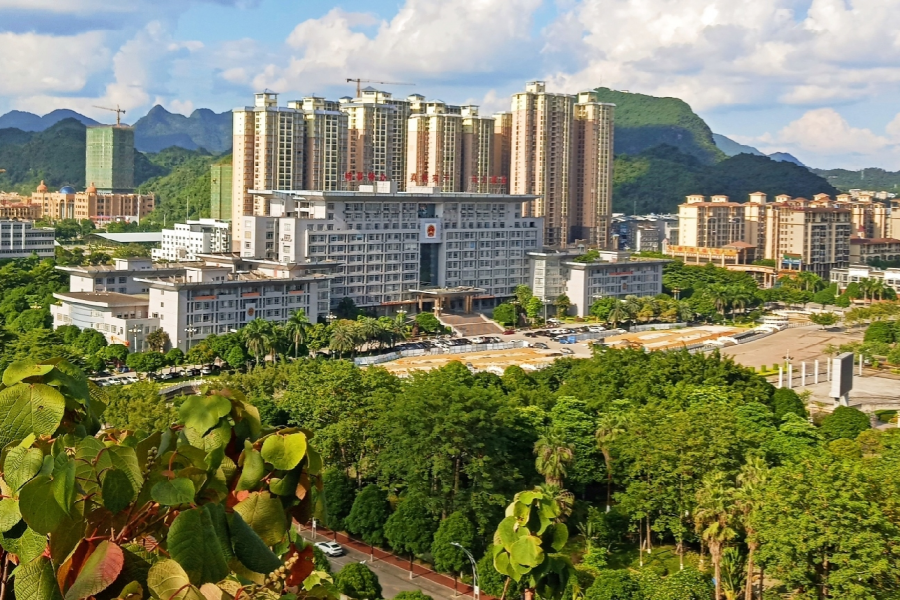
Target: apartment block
x=21 y=239
x=613 y=275
x=109 y=158
x=807 y=238
x=479 y=173
x=326 y=144
x=712 y=223
x=376 y=135
x=863 y=251
x=541 y=157
x=434 y=148
x=870 y=219
x=502 y=145
x=91 y=204
x=594 y=126
x=855 y=273
x=188 y=240
x=391 y=244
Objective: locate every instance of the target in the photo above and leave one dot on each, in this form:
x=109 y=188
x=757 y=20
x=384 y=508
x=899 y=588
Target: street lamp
x=136 y=330
x=474 y=569
x=190 y=331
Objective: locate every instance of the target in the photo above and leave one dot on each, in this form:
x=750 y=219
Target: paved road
x=393 y=580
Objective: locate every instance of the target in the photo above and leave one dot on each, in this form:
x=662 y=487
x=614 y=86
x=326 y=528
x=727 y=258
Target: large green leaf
x=125 y=459
x=265 y=515
x=559 y=535
x=193 y=542
x=35 y=580
x=99 y=571
x=284 y=452
x=313 y=461
x=21 y=465
x=253 y=470
x=24 y=542
x=167 y=580
x=29 y=408
x=174 y=492
x=39 y=506
x=286 y=485
x=9 y=514
x=527 y=551
x=117 y=491
x=203 y=412
x=506 y=531
x=249 y=548
x=18 y=371
x=64 y=482
x=219 y=521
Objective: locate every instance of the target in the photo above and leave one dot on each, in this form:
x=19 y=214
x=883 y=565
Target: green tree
x=36 y=319
x=357 y=581
x=456 y=528
x=90 y=341
x=175 y=356
x=785 y=401
x=296 y=328
x=602 y=307
x=145 y=362
x=713 y=519
x=427 y=322
x=158 y=340
x=235 y=357
x=824 y=319
x=259 y=336
x=562 y=304
x=824 y=297
x=610 y=425
x=881 y=331
x=845 y=422
x=199 y=354
x=338 y=493
x=614 y=584
x=617 y=314
x=368 y=515
x=552 y=454
x=523 y=294
x=533 y=308
x=505 y=314
x=344 y=337
x=139 y=407
x=410 y=529
x=413 y=595
x=117 y=353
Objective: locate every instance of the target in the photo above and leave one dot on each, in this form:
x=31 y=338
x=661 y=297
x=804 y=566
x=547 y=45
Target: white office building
x=21 y=239
x=188 y=240
x=391 y=244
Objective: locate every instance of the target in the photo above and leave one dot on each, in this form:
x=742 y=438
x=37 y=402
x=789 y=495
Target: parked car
x=596 y=329
x=509 y=332
x=541 y=346
x=330 y=548
x=206 y=370
x=558 y=331
x=566 y=351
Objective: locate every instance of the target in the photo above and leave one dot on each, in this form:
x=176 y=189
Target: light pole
x=134 y=331
x=477 y=593
x=190 y=331
x=330 y=317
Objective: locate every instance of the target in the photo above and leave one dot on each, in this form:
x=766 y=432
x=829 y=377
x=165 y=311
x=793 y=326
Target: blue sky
x=817 y=78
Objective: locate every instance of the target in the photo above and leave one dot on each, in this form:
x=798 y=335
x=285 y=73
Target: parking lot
x=169 y=374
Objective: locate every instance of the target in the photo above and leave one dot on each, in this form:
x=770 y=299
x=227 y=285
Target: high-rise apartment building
x=434 y=148
x=802 y=237
x=326 y=144
x=220 y=191
x=541 y=157
x=376 y=135
x=710 y=224
x=502 y=145
x=478 y=171
x=593 y=170
x=109 y=158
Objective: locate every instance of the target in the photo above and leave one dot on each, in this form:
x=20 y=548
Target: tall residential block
x=478 y=170
x=593 y=170
x=326 y=143
x=541 y=157
x=220 y=191
x=109 y=158
x=715 y=223
x=807 y=238
x=502 y=144
x=376 y=135
x=434 y=148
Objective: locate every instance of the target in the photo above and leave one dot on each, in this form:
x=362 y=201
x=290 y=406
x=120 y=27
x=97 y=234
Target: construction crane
x=359 y=81
x=119 y=112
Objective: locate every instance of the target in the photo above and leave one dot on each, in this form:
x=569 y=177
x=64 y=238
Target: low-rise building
x=121 y=318
x=865 y=250
x=613 y=275
x=855 y=273
x=188 y=240
x=20 y=239
x=100 y=207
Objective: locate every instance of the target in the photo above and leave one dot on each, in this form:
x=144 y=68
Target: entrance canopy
x=441 y=295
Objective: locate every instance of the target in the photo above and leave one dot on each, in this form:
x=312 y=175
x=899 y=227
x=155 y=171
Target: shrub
x=614 y=584
x=358 y=581
x=845 y=422
x=786 y=401
x=413 y=595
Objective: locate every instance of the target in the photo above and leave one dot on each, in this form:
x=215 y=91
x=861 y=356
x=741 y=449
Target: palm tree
x=368 y=329
x=609 y=426
x=877 y=289
x=552 y=454
x=259 y=338
x=617 y=314
x=632 y=305
x=720 y=296
x=295 y=328
x=685 y=312
x=752 y=477
x=865 y=285
x=344 y=337
x=712 y=519
x=740 y=297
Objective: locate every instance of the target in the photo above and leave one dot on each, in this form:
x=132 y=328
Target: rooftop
x=104 y=299
x=149 y=237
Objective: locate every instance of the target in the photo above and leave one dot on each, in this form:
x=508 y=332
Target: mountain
x=786 y=157
x=55 y=155
x=646 y=121
x=27 y=121
x=865 y=179
x=160 y=129
x=182 y=186
x=733 y=148
x=658 y=179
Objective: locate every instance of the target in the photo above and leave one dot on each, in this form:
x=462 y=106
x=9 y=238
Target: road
x=393 y=580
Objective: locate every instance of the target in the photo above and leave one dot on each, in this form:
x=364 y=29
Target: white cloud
x=893 y=128
x=34 y=63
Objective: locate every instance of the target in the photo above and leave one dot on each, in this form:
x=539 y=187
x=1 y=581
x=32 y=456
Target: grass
x=663 y=559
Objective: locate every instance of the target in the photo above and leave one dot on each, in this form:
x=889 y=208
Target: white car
x=559 y=331
x=596 y=329
x=330 y=548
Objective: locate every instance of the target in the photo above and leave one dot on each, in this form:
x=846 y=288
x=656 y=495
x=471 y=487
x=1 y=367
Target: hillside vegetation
x=182 y=189
x=864 y=179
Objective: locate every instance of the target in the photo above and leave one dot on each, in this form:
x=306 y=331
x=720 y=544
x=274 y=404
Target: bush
x=845 y=422
x=413 y=595
x=787 y=401
x=358 y=581
x=885 y=416
x=881 y=331
x=614 y=584
x=505 y=314
x=369 y=513
x=428 y=322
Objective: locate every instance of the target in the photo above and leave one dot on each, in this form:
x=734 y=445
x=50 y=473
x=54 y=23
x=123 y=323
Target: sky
x=817 y=78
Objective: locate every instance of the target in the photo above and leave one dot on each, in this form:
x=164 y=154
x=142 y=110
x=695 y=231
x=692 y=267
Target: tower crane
x=359 y=81
x=119 y=112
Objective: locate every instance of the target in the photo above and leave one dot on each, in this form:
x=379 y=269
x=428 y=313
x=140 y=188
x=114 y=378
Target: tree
x=235 y=357
x=881 y=331
x=713 y=520
x=617 y=314
x=602 y=307
x=344 y=337
x=609 y=426
x=753 y=476
x=410 y=529
x=145 y=362
x=413 y=595
x=90 y=341
x=785 y=401
x=295 y=328
x=505 y=314
x=552 y=454
x=845 y=422
x=523 y=294
x=357 y=581
x=533 y=308
x=36 y=319
x=175 y=356
x=562 y=304
x=259 y=336
x=158 y=340
x=338 y=493
x=824 y=319
x=199 y=354
x=455 y=528
x=347 y=309
x=427 y=322
x=369 y=514
x=614 y=584
x=138 y=407
x=824 y=297
x=117 y=353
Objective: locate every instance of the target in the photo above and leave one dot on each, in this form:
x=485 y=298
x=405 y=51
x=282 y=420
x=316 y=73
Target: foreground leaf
x=35 y=581
x=99 y=571
x=265 y=515
x=174 y=492
x=168 y=580
x=39 y=506
x=193 y=543
x=29 y=408
x=249 y=548
x=284 y=452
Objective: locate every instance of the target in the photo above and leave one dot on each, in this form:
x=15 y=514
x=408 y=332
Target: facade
x=220 y=188
x=109 y=158
x=434 y=148
x=376 y=135
x=865 y=250
x=802 y=237
x=869 y=219
x=20 y=210
x=541 y=156
x=593 y=170
x=894 y=220
x=479 y=174
x=710 y=224
x=188 y=240
x=854 y=273
x=390 y=244
x=326 y=144
x=643 y=233
x=502 y=145
x=91 y=204
x=21 y=239
x=189 y=301
x=614 y=275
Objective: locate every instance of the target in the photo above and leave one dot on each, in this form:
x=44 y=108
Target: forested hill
x=864 y=179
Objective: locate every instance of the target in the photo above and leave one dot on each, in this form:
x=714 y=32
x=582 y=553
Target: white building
x=21 y=239
x=854 y=273
x=187 y=240
x=614 y=275
x=391 y=243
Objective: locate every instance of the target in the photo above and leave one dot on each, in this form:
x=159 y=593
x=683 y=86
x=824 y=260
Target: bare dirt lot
x=801 y=344
x=492 y=360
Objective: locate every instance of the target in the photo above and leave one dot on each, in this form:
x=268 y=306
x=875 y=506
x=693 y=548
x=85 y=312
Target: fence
x=383 y=358
x=658 y=327
x=377 y=554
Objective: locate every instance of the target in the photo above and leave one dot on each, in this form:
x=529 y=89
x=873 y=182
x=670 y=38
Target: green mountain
x=55 y=155
x=646 y=121
x=658 y=179
x=182 y=188
x=733 y=148
x=865 y=179
x=160 y=129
